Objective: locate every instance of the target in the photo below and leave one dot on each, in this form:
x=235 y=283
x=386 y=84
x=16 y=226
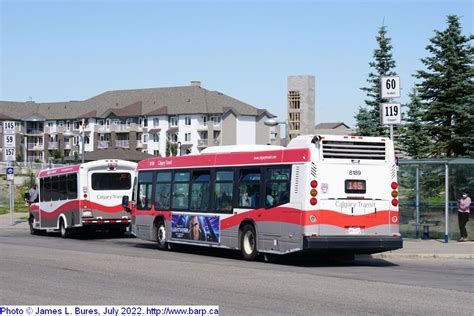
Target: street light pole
x=272 y=122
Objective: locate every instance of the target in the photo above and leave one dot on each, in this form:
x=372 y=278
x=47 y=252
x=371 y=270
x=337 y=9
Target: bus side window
x=277 y=187
x=42 y=190
x=223 y=190
x=62 y=187
x=181 y=190
x=47 y=189
x=200 y=190
x=72 y=186
x=145 y=184
x=55 y=188
x=248 y=190
x=163 y=191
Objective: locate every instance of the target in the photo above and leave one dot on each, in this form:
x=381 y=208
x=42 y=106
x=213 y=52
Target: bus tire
x=31 y=222
x=161 y=236
x=63 y=230
x=248 y=243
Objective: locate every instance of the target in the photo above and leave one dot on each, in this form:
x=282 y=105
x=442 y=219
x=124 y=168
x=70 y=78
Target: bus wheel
x=63 y=230
x=31 y=222
x=161 y=236
x=248 y=243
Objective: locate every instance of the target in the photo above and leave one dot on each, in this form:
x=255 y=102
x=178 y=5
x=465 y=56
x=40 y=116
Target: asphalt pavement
x=412 y=248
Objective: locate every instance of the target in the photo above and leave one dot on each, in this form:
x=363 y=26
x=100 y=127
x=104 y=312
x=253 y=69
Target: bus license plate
x=354 y=231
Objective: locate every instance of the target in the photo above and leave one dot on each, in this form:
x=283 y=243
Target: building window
x=216 y=119
x=156 y=153
x=145 y=122
x=173 y=137
x=100 y=122
x=187 y=121
x=156 y=138
x=173 y=121
x=61 y=123
x=187 y=137
x=145 y=138
x=294 y=100
x=127 y=122
x=204 y=120
x=156 y=122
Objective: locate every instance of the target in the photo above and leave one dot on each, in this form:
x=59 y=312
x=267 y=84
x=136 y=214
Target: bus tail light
x=314 y=192
x=314 y=184
x=395 y=202
x=313 y=201
x=394 y=194
x=394 y=185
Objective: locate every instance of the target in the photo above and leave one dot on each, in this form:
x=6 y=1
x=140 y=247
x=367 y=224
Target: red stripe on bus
x=56 y=171
x=228 y=159
x=74 y=205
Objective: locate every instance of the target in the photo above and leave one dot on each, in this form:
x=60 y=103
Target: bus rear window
x=111 y=181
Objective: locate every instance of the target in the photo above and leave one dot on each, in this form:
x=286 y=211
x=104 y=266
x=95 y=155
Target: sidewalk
x=412 y=248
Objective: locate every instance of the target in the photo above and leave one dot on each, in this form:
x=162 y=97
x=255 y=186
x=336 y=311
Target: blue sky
x=72 y=50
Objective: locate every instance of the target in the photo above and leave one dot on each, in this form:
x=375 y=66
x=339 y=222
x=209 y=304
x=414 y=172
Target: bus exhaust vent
x=314 y=170
x=297 y=180
x=353 y=150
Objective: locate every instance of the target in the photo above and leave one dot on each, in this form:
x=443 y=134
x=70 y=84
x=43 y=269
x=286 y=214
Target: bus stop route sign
x=10 y=173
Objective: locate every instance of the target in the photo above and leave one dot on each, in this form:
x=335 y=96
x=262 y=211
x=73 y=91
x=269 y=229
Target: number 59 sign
x=390 y=113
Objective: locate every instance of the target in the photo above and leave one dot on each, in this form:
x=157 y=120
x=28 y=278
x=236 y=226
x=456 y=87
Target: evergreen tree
x=413 y=138
x=368 y=117
x=446 y=91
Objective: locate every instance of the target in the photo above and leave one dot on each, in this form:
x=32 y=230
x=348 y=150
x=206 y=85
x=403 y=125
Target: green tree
x=446 y=91
x=413 y=138
x=368 y=116
x=171 y=149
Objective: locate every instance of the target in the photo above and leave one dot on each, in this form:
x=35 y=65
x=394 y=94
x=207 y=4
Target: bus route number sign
x=390 y=113
x=10 y=154
x=389 y=87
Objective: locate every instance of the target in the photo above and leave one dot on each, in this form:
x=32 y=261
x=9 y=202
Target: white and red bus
x=321 y=193
x=82 y=197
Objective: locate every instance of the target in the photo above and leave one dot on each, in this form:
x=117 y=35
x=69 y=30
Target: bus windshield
x=111 y=181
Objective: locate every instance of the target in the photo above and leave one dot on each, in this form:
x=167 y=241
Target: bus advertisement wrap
x=195 y=227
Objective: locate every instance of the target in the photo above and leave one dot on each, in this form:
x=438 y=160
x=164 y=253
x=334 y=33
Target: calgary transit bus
x=321 y=193
x=81 y=197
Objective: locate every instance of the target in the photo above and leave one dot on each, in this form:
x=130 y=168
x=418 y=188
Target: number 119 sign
x=390 y=113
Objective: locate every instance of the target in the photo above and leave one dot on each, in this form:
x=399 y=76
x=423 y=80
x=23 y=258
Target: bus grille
x=353 y=150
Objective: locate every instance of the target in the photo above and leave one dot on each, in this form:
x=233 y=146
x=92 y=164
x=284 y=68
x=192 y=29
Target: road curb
x=423 y=256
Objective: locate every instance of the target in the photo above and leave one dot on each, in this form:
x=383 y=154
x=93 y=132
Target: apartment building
x=301 y=105
x=142 y=119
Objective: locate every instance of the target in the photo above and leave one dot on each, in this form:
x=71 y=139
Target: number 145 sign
x=390 y=113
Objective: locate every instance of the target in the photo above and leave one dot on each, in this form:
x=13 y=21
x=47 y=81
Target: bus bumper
x=352 y=244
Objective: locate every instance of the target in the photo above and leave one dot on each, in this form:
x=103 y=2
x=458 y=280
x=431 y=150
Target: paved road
x=50 y=270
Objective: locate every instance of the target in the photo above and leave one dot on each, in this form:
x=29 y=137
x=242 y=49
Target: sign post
x=390 y=113
x=9 y=155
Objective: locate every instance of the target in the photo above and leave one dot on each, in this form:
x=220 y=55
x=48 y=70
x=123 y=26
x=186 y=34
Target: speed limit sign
x=389 y=87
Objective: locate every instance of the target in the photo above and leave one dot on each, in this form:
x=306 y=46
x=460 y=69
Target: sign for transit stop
x=389 y=87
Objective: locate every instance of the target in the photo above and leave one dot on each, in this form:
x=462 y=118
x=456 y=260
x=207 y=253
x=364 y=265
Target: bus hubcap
x=249 y=242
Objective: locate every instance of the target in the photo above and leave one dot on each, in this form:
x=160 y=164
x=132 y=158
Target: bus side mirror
x=125 y=202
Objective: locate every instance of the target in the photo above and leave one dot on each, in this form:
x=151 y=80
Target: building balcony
x=122 y=143
x=67 y=146
x=103 y=144
x=53 y=145
x=34 y=131
x=35 y=146
x=203 y=127
x=139 y=144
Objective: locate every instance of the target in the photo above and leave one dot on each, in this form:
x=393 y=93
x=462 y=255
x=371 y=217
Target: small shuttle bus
x=320 y=193
x=81 y=197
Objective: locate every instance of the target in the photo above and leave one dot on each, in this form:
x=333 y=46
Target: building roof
x=332 y=125
x=136 y=102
